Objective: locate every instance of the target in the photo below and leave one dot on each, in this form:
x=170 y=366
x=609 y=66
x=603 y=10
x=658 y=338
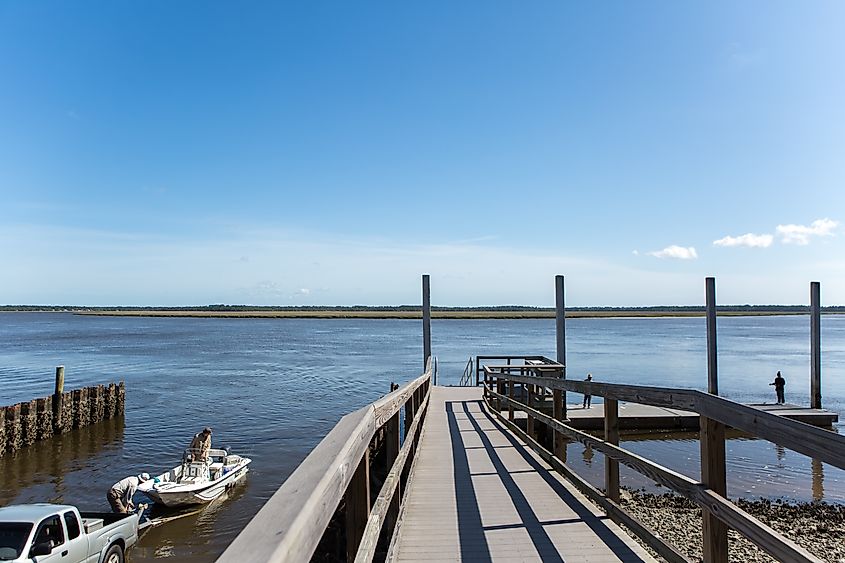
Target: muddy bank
x=818 y=527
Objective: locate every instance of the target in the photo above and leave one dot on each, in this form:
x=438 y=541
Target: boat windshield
x=13 y=536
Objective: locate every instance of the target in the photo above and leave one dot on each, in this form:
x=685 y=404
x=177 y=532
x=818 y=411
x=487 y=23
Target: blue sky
x=161 y=153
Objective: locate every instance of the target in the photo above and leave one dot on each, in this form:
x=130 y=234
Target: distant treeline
x=786 y=309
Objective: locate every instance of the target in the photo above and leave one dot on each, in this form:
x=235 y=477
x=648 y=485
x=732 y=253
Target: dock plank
x=478 y=494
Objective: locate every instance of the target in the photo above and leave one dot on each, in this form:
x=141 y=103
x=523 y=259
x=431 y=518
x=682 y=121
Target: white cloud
x=800 y=234
x=749 y=239
x=676 y=252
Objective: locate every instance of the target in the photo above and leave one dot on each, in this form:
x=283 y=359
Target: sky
x=329 y=153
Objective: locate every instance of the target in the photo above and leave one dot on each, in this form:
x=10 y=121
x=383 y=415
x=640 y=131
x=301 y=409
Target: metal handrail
x=466 y=378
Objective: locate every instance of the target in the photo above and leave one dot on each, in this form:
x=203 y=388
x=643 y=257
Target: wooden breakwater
x=23 y=424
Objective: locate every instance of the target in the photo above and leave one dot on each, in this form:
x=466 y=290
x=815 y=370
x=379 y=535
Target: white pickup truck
x=56 y=533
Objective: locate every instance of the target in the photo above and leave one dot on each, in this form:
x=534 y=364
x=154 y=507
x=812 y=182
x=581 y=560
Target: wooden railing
x=480 y=362
x=538 y=382
x=329 y=500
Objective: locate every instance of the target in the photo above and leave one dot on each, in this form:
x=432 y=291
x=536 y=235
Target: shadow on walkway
x=471 y=531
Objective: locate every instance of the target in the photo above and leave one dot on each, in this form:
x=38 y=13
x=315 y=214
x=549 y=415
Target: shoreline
x=379 y=314
x=818 y=527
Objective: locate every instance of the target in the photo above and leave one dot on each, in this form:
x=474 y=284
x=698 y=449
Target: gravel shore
x=818 y=527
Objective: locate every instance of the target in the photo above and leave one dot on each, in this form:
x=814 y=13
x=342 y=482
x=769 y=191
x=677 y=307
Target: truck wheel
x=114 y=555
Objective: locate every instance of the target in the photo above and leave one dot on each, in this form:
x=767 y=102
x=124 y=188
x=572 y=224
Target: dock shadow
x=471 y=531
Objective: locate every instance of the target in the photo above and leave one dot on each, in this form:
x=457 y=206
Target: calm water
x=271 y=388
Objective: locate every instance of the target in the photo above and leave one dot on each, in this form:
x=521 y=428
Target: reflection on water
x=55 y=469
x=755 y=468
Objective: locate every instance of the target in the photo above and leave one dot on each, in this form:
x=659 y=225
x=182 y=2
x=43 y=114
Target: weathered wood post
x=557 y=414
x=560 y=332
x=409 y=413
x=611 y=435
x=426 y=314
x=357 y=506
x=815 y=346
x=714 y=531
x=60 y=380
x=510 y=396
x=712 y=367
x=392 y=450
x=58 y=394
x=529 y=400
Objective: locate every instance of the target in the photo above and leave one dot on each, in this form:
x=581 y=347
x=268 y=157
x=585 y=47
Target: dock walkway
x=478 y=494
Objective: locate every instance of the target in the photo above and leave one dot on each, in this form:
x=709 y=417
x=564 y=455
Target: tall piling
x=426 y=314
x=560 y=334
x=815 y=346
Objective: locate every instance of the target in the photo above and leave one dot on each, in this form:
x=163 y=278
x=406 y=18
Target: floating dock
x=633 y=416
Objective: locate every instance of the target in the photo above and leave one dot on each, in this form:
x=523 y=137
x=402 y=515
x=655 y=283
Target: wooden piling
x=815 y=346
x=712 y=366
x=60 y=380
x=426 y=313
x=712 y=442
x=58 y=395
x=560 y=332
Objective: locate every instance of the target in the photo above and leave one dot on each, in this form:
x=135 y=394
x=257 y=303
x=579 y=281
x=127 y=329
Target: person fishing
x=779 y=384
x=200 y=445
x=587 y=396
x=120 y=494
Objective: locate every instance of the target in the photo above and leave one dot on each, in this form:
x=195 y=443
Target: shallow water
x=271 y=388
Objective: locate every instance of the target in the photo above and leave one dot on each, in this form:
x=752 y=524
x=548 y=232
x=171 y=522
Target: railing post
x=557 y=414
x=560 y=332
x=529 y=424
x=500 y=389
x=510 y=396
x=815 y=346
x=409 y=413
x=357 y=499
x=713 y=474
x=392 y=450
x=611 y=435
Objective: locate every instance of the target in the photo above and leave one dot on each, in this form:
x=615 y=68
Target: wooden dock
x=445 y=474
x=478 y=494
x=437 y=474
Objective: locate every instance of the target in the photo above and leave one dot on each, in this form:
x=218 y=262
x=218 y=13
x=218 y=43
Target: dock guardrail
x=719 y=513
x=331 y=488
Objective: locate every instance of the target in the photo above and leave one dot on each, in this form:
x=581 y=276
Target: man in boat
x=198 y=450
x=120 y=495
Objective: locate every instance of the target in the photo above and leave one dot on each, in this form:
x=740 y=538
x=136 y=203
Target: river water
x=271 y=388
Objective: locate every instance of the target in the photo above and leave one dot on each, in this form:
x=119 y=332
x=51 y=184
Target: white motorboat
x=196 y=482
